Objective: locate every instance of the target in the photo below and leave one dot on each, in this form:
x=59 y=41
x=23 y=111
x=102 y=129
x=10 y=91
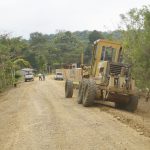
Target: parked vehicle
x=29 y=77
x=59 y=76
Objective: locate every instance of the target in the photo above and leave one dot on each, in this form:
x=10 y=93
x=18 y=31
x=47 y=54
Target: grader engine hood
x=120 y=77
x=115 y=76
x=118 y=69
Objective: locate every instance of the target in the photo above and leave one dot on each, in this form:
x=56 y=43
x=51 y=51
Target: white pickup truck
x=28 y=77
x=59 y=76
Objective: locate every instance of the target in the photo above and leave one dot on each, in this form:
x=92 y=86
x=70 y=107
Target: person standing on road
x=40 y=76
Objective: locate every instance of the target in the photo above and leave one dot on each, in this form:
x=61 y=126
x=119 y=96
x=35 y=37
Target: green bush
x=17 y=76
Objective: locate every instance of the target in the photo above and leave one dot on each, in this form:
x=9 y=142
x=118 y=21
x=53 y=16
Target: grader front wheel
x=89 y=93
x=68 y=89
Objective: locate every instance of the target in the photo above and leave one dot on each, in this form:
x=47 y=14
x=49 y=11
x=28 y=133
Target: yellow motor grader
x=107 y=79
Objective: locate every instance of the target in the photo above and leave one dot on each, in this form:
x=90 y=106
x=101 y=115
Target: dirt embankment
x=139 y=120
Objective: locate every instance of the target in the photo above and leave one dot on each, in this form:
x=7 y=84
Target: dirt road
x=36 y=116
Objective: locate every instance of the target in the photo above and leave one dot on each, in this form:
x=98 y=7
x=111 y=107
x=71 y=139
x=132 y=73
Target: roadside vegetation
x=45 y=52
x=10 y=60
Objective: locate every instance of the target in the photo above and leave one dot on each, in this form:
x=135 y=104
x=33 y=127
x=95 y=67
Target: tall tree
x=136 y=42
x=95 y=35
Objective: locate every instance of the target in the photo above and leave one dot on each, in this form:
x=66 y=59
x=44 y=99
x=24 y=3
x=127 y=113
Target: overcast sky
x=21 y=17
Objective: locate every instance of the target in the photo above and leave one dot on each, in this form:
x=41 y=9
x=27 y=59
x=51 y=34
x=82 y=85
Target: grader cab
x=107 y=79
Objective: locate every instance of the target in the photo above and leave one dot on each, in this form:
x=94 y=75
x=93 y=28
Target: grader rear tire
x=131 y=106
x=68 y=89
x=80 y=91
x=89 y=93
